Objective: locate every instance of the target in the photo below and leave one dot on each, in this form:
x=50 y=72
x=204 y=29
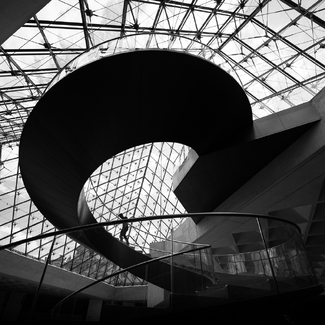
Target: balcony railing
x=248 y=256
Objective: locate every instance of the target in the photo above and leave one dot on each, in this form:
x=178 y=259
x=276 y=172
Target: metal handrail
x=133 y=220
x=125 y=270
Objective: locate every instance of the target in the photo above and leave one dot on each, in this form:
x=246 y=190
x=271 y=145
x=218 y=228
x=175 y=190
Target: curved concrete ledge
x=114 y=104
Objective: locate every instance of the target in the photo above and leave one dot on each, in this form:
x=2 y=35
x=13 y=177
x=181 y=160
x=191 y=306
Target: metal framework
x=273 y=48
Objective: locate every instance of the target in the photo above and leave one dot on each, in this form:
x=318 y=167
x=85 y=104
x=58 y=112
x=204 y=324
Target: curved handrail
x=133 y=220
x=156 y=236
x=152 y=260
x=97 y=46
x=125 y=270
x=258 y=251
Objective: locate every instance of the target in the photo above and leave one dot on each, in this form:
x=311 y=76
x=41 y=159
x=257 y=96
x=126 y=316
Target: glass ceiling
x=275 y=49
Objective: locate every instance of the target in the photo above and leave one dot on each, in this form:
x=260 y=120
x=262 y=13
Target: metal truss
x=274 y=49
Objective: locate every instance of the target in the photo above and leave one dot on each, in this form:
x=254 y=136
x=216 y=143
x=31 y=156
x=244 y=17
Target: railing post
x=261 y=260
x=267 y=254
x=288 y=262
x=211 y=263
x=201 y=266
x=31 y=312
x=172 y=269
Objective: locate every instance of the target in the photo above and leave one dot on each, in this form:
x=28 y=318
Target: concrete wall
x=132 y=293
x=292 y=179
x=157 y=295
x=186 y=232
x=27 y=270
x=280 y=184
x=183 y=169
x=94 y=310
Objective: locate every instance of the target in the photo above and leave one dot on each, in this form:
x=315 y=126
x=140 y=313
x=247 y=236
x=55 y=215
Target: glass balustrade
x=247 y=256
x=128 y=43
x=268 y=258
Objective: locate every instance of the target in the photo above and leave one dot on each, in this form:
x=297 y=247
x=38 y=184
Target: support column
x=94 y=310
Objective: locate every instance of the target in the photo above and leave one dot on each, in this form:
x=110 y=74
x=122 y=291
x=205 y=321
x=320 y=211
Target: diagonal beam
x=291 y=88
x=124 y=12
x=267 y=61
x=15 y=64
x=155 y=23
x=46 y=43
x=277 y=36
x=239 y=28
x=228 y=59
x=306 y=12
x=84 y=23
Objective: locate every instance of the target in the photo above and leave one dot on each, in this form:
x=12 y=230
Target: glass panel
x=241 y=266
x=289 y=261
x=249 y=257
